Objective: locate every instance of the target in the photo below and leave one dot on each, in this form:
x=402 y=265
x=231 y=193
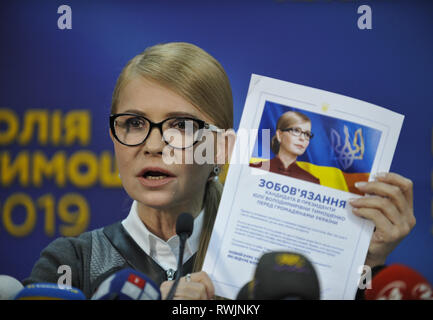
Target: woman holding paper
x=291 y=139
x=165 y=99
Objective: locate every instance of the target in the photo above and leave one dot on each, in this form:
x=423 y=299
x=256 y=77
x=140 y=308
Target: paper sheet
x=262 y=211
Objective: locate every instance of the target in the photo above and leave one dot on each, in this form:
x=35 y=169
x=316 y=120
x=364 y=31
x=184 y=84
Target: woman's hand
x=389 y=204
x=198 y=287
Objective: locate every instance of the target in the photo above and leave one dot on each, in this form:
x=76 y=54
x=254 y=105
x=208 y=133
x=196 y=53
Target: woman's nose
x=154 y=142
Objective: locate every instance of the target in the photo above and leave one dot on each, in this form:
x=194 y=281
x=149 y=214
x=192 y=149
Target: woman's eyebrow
x=181 y=114
x=134 y=111
x=168 y=115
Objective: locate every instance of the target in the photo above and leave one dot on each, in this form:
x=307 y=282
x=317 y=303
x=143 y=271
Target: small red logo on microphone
x=137 y=281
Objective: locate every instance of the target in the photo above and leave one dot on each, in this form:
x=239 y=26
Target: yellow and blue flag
x=340 y=153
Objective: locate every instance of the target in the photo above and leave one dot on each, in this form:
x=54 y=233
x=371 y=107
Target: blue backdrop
x=58 y=83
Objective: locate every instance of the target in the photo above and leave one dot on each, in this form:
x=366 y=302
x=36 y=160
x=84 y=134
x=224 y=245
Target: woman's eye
x=181 y=124
x=297 y=130
x=134 y=123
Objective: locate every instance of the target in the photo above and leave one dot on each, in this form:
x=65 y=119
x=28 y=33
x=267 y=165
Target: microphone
x=49 y=291
x=127 y=284
x=184 y=227
x=9 y=287
x=282 y=276
x=399 y=282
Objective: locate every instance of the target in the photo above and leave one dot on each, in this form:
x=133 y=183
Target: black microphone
x=282 y=276
x=184 y=227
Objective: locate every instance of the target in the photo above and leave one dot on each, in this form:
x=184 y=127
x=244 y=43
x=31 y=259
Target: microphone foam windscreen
x=49 y=291
x=185 y=224
x=127 y=284
x=9 y=287
x=246 y=292
x=285 y=275
x=399 y=282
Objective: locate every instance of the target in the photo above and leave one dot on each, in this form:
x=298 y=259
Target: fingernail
x=380 y=175
x=360 y=184
x=352 y=200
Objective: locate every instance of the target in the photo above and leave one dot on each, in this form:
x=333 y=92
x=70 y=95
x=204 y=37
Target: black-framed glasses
x=298 y=131
x=179 y=132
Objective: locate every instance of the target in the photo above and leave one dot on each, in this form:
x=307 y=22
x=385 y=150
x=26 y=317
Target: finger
x=184 y=291
x=203 y=278
x=385 y=231
x=385 y=190
x=405 y=184
x=165 y=288
x=383 y=225
x=200 y=287
x=382 y=205
x=190 y=291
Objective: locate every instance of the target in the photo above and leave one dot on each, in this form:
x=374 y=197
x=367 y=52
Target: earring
x=216 y=170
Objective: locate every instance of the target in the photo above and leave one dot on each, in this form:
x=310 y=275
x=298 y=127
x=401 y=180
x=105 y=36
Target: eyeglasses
x=179 y=132
x=297 y=132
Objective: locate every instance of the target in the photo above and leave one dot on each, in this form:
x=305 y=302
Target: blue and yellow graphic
x=340 y=153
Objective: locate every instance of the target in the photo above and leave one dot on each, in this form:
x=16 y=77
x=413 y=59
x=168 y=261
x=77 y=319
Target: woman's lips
x=155 y=182
x=155 y=169
x=155 y=177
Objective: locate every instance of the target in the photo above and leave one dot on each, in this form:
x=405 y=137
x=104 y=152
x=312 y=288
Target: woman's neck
x=286 y=158
x=162 y=222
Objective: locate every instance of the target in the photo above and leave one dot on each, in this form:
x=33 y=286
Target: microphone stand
x=183 y=237
x=184 y=227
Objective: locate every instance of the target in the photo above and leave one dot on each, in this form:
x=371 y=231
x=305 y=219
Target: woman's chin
x=156 y=201
x=298 y=152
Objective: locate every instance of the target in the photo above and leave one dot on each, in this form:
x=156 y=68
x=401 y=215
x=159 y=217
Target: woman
x=291 y=139
x=161 y=93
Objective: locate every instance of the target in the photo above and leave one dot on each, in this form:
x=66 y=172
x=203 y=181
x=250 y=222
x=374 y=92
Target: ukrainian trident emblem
x=347 y=152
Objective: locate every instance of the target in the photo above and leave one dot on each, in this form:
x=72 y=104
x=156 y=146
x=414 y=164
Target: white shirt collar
x=165 y=253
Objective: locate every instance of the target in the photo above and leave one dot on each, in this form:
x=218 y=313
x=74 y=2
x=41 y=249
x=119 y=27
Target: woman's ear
x=111 y=135
x=113 y=139
x=278 y=134
x=225 y=145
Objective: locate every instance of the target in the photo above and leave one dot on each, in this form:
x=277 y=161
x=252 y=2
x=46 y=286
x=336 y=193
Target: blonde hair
x=200 y=79
x=287 y=120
